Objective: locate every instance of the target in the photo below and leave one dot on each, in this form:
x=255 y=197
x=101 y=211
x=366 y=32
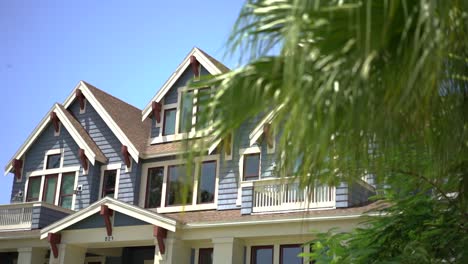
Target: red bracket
x=83 y=159
x=156 y=109
x=125 y=155
x=195 y=66
x=160 y=234
x=17 y=166
x=268 y=135
x=80 y=96
x=107 y=213
x=54 y=239
x=55 y=121
x=227 y=145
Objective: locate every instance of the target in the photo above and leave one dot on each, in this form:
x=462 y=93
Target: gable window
x=202 y=98
x=186 y=112
x=169 y=121
x=53 y=161
x=205 y=256
x=251 y=168
x=66 y=190
x=207 y=182
x=108 y=183
x=289 y=254
x=50 y=187
x=154 y=187
x=262 y=255
x=179 y=186
x=34 y=187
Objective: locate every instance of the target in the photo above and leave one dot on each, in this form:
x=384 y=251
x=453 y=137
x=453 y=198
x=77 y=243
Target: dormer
x=173 y=109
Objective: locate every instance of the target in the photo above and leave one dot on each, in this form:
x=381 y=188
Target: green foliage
x=362 y=87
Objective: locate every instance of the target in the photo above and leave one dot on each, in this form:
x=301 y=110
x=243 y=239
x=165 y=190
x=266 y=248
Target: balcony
x=274 y=195
x=31 y=215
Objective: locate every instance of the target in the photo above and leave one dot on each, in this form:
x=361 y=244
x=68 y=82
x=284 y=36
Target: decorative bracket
x=83 y=159
x=80 y=96
x=268 y=135
x=17 y=167
x=160 y=234
x=107 y=213
x=125 y=155
x=54 y=239
x=227 y=145
x=156 y=109
x=195 y=66
x=55 y=121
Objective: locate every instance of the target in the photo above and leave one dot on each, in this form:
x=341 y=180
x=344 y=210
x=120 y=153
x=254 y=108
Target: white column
x=158 y=257
x=69 y=254
x=227 y=250
x=176 y=250
x=31 y=255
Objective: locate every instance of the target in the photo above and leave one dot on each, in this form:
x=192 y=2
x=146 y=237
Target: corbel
x=17 y=167
x=125 y=156
x=107 y=213
x=83 y=159
x=55 y=121
x=195 y=66
x=160 y=234
x=80 y=97
x=54 y=239
x=156 y=109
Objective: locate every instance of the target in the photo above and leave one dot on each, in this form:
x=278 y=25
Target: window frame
x=164 y=122
x=46 y=187
x=117 y=167
x=254 y=248
x=147 y=187
x=251 y=177
x=39 y=195
x=204 y=250
x=282 y=246
x=60 y=195
x=199 y=177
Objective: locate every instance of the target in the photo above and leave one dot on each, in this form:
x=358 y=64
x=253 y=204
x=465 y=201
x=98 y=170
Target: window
x=186 y=112
x=289 y=254
x=262 y=255
x=34 y=187
x=66 y=190
x=179 y=186
x=154 y=187
x=251 y=166
x=50 y=187
x=108 y=183
x=53 y=161
x=203 y=96
x=207 y=182
x=169 y=121
x=205 y=256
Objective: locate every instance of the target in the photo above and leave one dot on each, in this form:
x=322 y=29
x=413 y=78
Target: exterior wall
x=34 y=157
x=43 y=216
x=110 y=146
x=353 y=194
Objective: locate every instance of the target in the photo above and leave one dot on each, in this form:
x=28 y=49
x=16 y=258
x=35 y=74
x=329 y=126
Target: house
x=100 y=181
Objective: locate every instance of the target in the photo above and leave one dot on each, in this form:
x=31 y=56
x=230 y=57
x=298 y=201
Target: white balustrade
x=15 y=216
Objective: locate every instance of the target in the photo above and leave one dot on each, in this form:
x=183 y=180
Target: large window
x=108 y=183
x=262 y=255
x=203 y=97
x=34 y=188
x=53 y=161
x=289 y=254
x=207 y=182
x=205 y=256
x=186 y=112
x=169 y=121
x=50 y=187
x=251 y=168
x=179 y=186
x=66 y=190
x=154 y=187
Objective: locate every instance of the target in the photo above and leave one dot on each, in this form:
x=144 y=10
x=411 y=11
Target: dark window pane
x=251 y=166
x=205 y=256
x=66 y=202
x=262 y=255
x=154 y=187
x=203 y=97
x=186 y=112
x=50 y=186
x=66 y=190
x=207 y=182
x=53 y=161
x=179 y=186
x=169 y=122
x=34 y=187
x=289 y=254
x=108 y=183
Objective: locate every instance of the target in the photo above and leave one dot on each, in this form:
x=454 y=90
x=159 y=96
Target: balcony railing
x=16 y=216
x=285 y=195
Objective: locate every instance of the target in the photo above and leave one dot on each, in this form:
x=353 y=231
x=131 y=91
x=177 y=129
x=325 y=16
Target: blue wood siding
x=44 y=216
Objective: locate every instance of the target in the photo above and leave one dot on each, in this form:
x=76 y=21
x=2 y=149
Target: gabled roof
x=213 y=66
x=77 y=132
x=257 y=132
x=122 y=118
x=144 y=215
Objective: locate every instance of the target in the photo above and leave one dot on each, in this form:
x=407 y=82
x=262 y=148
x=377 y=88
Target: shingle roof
x=84 y=135
x=217 y=63
x=126 y=116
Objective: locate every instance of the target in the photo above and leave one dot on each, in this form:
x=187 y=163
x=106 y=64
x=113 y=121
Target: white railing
x=16 y=216
x=286 y=195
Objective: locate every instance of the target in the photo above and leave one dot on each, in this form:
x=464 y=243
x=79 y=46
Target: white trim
x=257 y=132
x=50 y=153
x=204 y=61
x=53 y=171
x=242 y=152
x=116 y=205
x=117 y=167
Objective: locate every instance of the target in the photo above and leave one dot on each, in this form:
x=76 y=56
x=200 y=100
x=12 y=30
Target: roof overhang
x=40 y=128
x=117 y=206
x=257 y=132
x=204 y=61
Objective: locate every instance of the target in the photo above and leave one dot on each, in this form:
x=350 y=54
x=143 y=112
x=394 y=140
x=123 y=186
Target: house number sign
x=109 y=238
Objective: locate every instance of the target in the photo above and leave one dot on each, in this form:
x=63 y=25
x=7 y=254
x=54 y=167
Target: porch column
x=176 y=250
x=32 y=255
x=227 y=250
x=69 y=254
x=158 y=257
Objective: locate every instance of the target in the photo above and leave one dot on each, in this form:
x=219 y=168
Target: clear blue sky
x=127 y=48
